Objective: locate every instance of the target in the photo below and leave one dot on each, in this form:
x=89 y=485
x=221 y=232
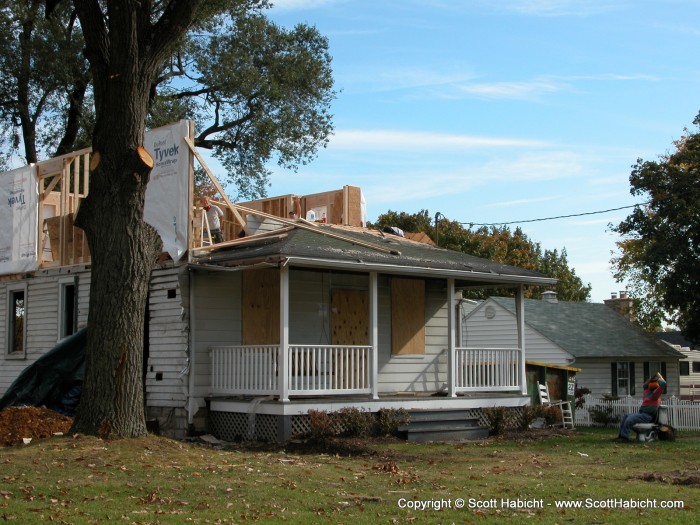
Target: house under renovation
x=300 y=307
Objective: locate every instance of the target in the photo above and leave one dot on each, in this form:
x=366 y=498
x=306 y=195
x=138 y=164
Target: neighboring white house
x=615 y=356
x=688 y=367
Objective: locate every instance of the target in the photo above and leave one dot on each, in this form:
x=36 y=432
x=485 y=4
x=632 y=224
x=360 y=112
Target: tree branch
x=211 y=144
x=75 y=110
x=217 y=128
x=177 y=17
x=95 y=32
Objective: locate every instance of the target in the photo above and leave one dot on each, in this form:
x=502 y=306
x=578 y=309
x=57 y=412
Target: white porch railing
x=339 y=369
x=684 y=415
x=244 y=369
x=487 y=369
x=313 y=369
x=329 y=369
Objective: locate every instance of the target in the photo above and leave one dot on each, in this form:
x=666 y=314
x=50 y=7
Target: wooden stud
x=217 y=185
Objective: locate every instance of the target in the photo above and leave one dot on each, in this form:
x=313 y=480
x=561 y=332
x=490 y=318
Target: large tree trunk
x=124 y=249
x=125 y=50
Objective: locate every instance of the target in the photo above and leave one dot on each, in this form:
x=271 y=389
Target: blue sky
x=491 y=111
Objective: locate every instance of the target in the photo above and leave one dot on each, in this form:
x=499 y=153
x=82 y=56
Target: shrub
x=354 y=422
x=529 y=414
x=580 y=394
x=322 y=425
x=390 y=419
x=602 y=415
x=552 y=415
x=499 y=419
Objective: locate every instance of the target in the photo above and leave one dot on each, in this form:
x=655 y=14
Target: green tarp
x=54 y=380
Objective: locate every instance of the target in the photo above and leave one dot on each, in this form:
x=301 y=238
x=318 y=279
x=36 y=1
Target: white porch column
x=283 y=360
x=451 y=339
x=191 y=402
x=520 y=320
x=374 y=334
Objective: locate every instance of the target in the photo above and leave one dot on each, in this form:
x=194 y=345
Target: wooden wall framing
x=63 y=182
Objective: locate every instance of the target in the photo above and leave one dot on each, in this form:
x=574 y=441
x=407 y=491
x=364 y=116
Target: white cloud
x=289 y=5
x=510 y=90
x=542 y=166
x=407 y=140
x=560 y=7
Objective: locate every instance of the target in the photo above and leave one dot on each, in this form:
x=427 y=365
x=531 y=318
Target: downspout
x=451 y=339
x=520 y=319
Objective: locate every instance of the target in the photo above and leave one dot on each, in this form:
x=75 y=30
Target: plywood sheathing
x=350 y=326
x=261 y=307
x=407 y=316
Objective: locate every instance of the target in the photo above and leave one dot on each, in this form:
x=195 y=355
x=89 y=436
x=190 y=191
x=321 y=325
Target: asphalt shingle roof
x=303 y=243
x=589 y=329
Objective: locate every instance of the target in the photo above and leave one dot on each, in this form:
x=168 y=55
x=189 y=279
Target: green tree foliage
x=660 y=241
x=44 y=80
x=498 y=244
x=258 y=93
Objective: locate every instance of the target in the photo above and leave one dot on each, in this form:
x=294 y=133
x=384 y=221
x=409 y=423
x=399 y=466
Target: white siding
x=216 y=320
x=692 y=380
x=500 y=331
x=597 y=377
x=166 y=382
x=42 y=303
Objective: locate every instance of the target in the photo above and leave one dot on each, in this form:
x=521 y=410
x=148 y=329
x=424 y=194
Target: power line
x=552 y=218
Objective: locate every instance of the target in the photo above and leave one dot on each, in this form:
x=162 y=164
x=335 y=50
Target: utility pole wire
x=551 y=218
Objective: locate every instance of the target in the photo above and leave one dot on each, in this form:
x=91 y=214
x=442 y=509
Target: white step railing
x=312 y=369
x=487 y=369
x=684 y=415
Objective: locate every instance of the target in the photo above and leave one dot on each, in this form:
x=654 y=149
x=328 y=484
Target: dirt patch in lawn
x=673 y=478
x=21 y=423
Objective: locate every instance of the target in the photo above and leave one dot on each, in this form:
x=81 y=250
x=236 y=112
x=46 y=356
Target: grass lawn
x=156 y=480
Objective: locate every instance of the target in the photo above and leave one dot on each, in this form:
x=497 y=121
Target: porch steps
x=443 y=425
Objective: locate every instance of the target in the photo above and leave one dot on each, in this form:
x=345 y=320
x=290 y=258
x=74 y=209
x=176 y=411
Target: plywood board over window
x=407 y=316
x=350 y=326
x=260 y=310
x=349 y=317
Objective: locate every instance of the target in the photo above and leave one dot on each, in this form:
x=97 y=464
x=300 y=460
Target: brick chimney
x=623 y=305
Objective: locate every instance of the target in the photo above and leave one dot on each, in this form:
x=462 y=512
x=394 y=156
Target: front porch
x=338 y=370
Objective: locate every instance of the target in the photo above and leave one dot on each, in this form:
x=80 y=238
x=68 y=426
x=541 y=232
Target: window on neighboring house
x=16 y=321
x=622 y=378
x=696 y=367
x=651 y=367
x=684 y=368
x=68 y=308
